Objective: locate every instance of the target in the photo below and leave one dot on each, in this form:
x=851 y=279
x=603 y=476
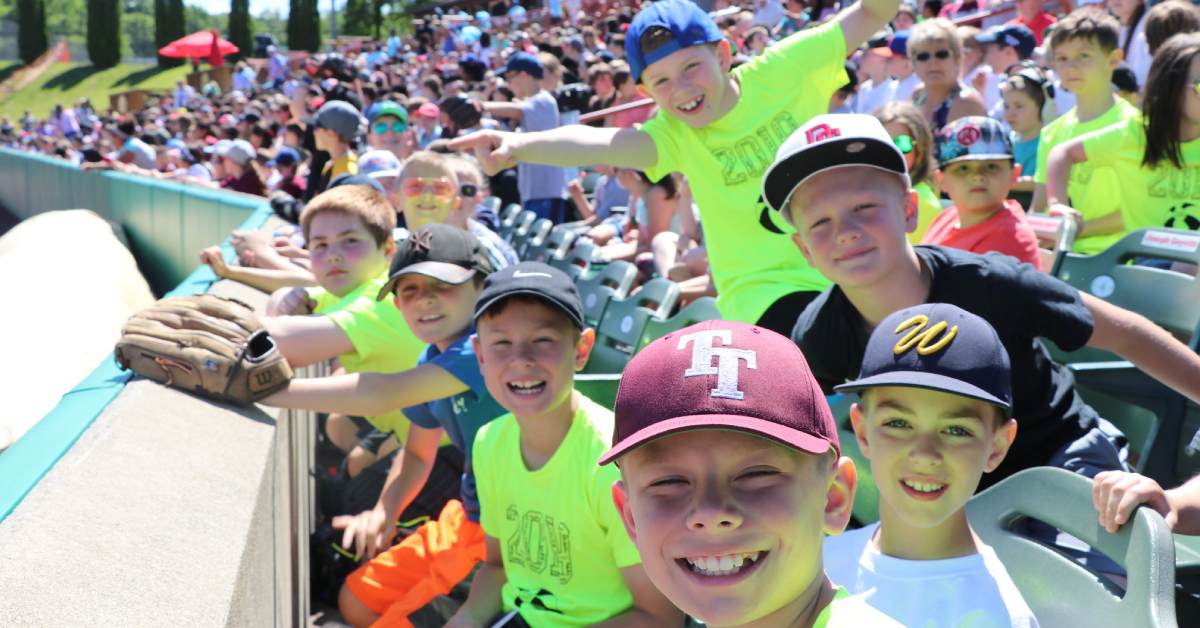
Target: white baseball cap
x=826 y=142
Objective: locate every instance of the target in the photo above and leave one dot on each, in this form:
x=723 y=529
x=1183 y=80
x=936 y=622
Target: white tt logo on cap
x=727 y=361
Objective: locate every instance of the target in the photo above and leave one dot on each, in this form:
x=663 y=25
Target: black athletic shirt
x=1020 y=302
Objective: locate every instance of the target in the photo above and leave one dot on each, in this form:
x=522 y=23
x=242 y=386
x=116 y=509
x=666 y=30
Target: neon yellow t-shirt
x=724 y=162
x=1094 y=190
x=1163 y=197
x=382 y=341
x=929 y=205
x=561 y=539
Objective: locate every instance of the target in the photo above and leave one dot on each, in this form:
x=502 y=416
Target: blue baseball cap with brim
x=688 y=24
x=940 y=347
x=1014 y=35
x=524 y=62
x=898 y=44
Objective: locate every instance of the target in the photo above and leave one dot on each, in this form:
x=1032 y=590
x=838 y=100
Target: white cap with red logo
x=823 y=143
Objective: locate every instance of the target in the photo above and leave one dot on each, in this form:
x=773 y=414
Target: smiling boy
x=719 y=128
x=731 y=475
x=557 y=554
x=933 y=416
x=844 y=185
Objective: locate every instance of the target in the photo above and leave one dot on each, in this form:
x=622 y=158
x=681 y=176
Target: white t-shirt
x=1139 y=57
x=871 y=96
x=971 y=591
x=902 y=90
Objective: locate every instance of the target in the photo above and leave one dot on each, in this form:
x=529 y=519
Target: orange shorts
x=428 y=563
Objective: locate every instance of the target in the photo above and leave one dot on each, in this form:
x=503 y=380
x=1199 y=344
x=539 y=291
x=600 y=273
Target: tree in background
x=104 y=32
x=358 y=17
x=168 y=26
x=304 y=26
x=241 y=28
x=31 y=34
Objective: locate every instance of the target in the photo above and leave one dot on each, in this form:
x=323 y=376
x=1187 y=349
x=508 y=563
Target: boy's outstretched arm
x=368 y=394
x=1148 y=346
x=1116 y=494
x=864 y=18
x=483 y=603
x=573 y=145
x=650 y=607
x=306 y=340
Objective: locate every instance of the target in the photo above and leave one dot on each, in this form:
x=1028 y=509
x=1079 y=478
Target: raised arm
x=368 y=394
x=864 y=18
x=573 y=145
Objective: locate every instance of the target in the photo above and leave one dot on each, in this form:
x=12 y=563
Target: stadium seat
x=521 y=231
x=1056 y=236
x=508 y=220
x=588 y=183
x=535 y=238
x=614 y=282
x=1153 y=415
x=553 y=246
x=702 y=309
x=578 y=260
x=1059 y=590
x=625 y=320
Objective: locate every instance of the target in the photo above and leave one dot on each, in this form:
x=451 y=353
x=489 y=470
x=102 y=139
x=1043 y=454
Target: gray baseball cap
x=340 y=117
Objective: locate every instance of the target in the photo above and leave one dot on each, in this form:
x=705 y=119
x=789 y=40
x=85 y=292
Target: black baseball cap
x=443 y=252
x=537 y=280
x=1014 y=35
x=937 y=346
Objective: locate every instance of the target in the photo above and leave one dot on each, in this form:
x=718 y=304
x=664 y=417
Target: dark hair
x=1137 y=16
x=667 y=183
x=1164 y=91
x=1034 y=84
x=1167 y=19
x=1090 y=23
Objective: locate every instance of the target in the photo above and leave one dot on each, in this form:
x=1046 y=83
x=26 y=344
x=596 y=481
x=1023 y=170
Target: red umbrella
x=200 y=44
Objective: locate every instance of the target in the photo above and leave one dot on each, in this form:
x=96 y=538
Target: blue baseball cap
x=285 y=156
x=524 y=62
x=688 y=24
x=1015 y=35
x=937 y=346
x=898 y=44
x=973 y=138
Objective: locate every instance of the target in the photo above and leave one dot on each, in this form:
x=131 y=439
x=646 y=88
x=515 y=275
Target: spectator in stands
x=906 y=17
x=911 y=134
x=600 y=79
x=388 y=130
x=937 y=55
x=543 y=188
x=277 y=67
x=234 y=168
x=1085 y=52
x=383 y=167
x=334 y=130
x=1007 y=46
x=1136 y=51
x=1028 y=103
x=1032 y=15
x=132 y=149
x=286 y=177
x=878 y=272
x=874 y=88
x=900 y=67
x=599 y=222
x=976 y=169
x=975 y=71
x=757 y=40
x=1168 y=18
x=627 y=93
x=1156 y=157
x=426 y=125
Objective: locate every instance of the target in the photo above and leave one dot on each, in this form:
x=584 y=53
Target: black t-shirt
x=1021 y=303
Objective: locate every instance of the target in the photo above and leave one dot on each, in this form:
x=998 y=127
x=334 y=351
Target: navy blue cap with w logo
x=937 y=346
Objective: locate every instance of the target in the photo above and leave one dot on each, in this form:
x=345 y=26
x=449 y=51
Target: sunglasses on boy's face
x=942 y=55
x=395 y=127
x=468 y=191
x=904 y=143
x=419 y=185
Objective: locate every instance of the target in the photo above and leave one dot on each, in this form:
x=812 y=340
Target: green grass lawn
x=65 y=83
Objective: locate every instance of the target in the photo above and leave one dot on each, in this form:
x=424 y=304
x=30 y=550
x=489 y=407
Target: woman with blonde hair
x=936 y=53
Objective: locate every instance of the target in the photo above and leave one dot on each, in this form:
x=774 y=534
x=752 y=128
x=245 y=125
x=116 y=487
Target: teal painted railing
x=167 y=225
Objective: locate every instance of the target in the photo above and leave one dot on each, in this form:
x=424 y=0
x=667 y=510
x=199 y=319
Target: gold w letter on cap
x=925 y=340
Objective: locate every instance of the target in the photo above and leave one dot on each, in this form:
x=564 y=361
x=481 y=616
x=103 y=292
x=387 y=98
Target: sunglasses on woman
x=417 y=186
x=396 y=127
x=942 y=54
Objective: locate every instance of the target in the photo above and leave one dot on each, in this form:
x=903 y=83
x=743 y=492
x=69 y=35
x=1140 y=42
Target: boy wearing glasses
x=388 y=130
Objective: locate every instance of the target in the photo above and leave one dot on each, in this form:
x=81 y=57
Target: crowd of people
x=854 y=180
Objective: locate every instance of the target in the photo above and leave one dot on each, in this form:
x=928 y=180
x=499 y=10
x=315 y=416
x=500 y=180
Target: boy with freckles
x=731 y=476
x=933 y=417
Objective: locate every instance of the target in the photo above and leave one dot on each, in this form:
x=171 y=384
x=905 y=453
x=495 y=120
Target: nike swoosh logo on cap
x=520 y=275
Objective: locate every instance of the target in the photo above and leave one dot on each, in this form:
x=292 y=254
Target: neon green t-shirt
x=1094 y=190
x=561 y=539
x=1163 y=197
x=724 y=162
x=382 y=341
x=929 y=205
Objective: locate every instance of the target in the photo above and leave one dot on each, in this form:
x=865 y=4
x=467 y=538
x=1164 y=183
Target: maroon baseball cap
x=723 y=375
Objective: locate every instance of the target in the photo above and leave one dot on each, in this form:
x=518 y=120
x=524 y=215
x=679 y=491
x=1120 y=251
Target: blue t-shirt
x=461 y=415
x=1025 y=154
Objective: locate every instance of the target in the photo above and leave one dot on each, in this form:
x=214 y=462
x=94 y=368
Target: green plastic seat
x=553 y=246
x=588 y=183
x=624 y=322
x=508 y=220
x=1056 y=236
x=702 y=309
x=614 y=282
x=521 y=232
x=1153 y=415
x=1059 y=590
x=534 y=239
x=578 y=260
